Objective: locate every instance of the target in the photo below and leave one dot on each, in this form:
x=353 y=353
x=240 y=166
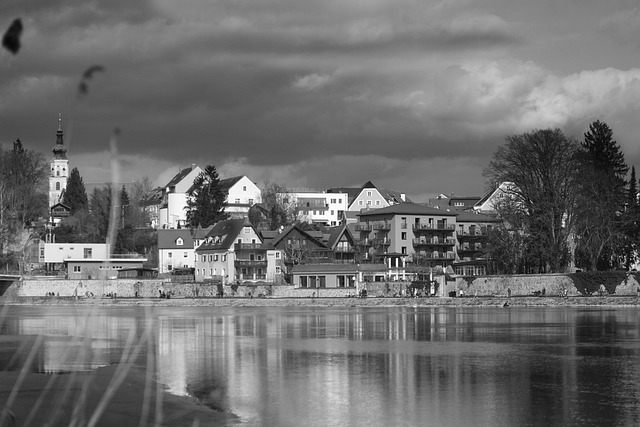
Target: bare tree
x=542 y=165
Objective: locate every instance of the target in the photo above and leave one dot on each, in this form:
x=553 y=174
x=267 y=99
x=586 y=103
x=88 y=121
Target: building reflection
x=440 y=366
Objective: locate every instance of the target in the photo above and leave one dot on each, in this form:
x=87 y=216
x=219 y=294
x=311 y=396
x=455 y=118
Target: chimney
x=193 y=166
x=403 y=197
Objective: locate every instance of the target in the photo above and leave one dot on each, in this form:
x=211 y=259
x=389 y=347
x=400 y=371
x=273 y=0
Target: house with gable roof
x=176 y=247
x=242 y=194
x=233 y=251
x=172 y=212
x=493 y=198
x=369 y=197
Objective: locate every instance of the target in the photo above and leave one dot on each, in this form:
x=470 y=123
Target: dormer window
x=179 y=241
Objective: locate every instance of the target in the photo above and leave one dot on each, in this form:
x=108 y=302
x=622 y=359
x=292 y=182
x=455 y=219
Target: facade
x=54 y=255
x=415 y=233
x=472 y=236
x=175 y=249
x=96 y=268
x=319 y=207
x=59 y=173
x=233 y=251
x=318 y=276
x=172 y=212
x=242 y=193
x=369 y=197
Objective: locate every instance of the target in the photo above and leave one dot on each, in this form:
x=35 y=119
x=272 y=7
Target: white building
x=318 y=207
x=172 y=211
x=242 y=193
x=59 y=169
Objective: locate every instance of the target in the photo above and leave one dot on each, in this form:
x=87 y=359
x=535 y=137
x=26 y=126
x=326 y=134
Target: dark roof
x=313 y=235
x=227 y=230
x=179 y=177
x=408 y=209
x=351 y=193
x=227 y=183
x=468 y=216
x=368 y=184
x=167 y=238
x=393 y=194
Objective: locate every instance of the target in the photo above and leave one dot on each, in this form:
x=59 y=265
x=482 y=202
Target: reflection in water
x=366 y=366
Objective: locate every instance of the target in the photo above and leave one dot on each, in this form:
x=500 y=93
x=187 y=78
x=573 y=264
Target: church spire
x=59 y=151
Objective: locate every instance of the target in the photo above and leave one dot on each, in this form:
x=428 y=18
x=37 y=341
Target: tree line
x=567 y=202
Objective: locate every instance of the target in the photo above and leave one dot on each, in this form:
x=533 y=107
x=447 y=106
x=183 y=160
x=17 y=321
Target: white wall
x=58 y=252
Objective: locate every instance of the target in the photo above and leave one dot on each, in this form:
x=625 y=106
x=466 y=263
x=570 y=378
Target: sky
x=412 y=95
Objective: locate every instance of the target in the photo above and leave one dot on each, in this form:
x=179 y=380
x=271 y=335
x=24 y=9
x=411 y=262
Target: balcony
x=249 y=246
x=381 y=242
x=363 y=227
x=382 y=225
x=364 y=242
x=438 y=255
x=434 y=242
x=344 y=249
x=250 y=263
x=434 y=227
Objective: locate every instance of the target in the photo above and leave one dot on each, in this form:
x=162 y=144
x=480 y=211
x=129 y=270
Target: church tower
x=59 y=168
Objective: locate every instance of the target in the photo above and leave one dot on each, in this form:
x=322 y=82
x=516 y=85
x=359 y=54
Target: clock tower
x=59 y=168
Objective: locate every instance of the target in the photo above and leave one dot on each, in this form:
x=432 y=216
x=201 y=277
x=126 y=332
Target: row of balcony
x=434 y=241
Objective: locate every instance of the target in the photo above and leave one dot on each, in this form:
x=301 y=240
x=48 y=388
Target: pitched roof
x=313 y=235
x=408 y=208
x=335 y=233
x=179 y=177
x=227 y=183
x=226 y=231
x=167 y=238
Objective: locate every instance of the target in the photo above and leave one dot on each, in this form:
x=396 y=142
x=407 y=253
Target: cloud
x=311 y=82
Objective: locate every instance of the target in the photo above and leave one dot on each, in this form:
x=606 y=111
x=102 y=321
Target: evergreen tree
x=75 y=195
x=602 y=198
x=100 y=209
x=205 y=199
x=125 y=208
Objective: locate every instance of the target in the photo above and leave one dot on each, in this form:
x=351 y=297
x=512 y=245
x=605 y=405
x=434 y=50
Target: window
x=368 y=202
x=333 y=200
x=237 y=201
x=253 y=241
x=278 y=270
x=368 y=193
x=404 y=249
x=377 y=202
x=185 y=255
x=224 y=257
x=244 y=188
x=239 y=241
x=210 y=258
x=403 y=235
x=250 y=201
x=58 y=185
x=169 y=254
x=312 y=281
x=204 y=258
x=341 y=281
x=322 y=281
x=88 y=253
x=215 y=257
x=77 y=269
x=360 y=202
x=303 y=281
x=169 y=267
x=247 y=230
x=277 y=255
x=179 y=241
x=332 y=213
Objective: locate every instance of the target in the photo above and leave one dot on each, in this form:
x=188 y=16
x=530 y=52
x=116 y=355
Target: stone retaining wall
x=520 y=285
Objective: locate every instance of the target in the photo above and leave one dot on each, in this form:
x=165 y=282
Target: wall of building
x=58 y=252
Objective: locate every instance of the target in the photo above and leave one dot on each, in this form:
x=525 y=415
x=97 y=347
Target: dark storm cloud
x=287 y=89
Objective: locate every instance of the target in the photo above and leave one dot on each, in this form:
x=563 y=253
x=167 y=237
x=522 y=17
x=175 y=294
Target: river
x=364 y=366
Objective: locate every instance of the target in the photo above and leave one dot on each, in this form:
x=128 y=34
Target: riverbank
x=551 y=301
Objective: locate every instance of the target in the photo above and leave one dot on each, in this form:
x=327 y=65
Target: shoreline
x=484 y=301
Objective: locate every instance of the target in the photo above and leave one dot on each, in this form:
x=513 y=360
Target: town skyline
x=410 y=96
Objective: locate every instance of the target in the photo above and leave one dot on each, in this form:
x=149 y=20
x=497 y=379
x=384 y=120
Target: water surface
x=362 y=366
